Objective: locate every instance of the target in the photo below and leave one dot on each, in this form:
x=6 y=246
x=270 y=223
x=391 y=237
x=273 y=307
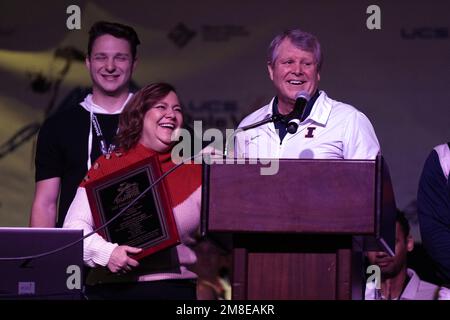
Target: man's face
x=110 y=65
x=391 y=266
x=293 y=70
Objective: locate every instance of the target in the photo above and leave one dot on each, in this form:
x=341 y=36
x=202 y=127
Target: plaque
x=149 y=223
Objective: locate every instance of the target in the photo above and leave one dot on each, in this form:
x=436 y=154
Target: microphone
x=296 y=116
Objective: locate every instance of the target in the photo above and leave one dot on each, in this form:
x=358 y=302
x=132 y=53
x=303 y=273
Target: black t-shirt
x=62 y=150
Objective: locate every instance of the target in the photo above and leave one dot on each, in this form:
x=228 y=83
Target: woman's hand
x=120 y=260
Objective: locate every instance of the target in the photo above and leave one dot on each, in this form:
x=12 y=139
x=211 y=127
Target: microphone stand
x=273 y=118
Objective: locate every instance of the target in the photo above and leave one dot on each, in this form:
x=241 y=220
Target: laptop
x=55 y=276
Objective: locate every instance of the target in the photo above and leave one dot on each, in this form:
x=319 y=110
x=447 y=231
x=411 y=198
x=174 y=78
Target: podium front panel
x=305 y=196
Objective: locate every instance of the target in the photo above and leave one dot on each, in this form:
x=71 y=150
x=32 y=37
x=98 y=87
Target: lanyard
x=103 y=146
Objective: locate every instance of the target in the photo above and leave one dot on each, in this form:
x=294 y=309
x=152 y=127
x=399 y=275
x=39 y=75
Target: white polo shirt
x=416 y=289
x=333 y=130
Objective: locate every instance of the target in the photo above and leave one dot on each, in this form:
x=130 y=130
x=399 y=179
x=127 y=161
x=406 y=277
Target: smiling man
x=71 y=140
x=398 y=282
x=327 y=129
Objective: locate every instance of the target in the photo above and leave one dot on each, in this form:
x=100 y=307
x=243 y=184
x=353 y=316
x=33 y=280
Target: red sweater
x=184 y=187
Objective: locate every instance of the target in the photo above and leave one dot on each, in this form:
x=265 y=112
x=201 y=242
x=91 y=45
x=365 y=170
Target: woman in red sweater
x=146 y=127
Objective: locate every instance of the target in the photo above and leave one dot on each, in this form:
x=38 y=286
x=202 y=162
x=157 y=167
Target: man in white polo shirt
x=327 y=129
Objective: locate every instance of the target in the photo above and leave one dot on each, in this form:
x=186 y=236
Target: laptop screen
x=55 y=276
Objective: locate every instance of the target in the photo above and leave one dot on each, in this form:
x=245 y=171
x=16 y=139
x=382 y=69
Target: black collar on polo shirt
x=281 y=125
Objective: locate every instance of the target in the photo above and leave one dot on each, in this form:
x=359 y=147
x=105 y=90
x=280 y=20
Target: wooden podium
x=299 y=234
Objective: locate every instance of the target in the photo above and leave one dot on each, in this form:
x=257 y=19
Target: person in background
x=398 y=282
x=433 y=201
x=71 y=140
x=213 y=265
